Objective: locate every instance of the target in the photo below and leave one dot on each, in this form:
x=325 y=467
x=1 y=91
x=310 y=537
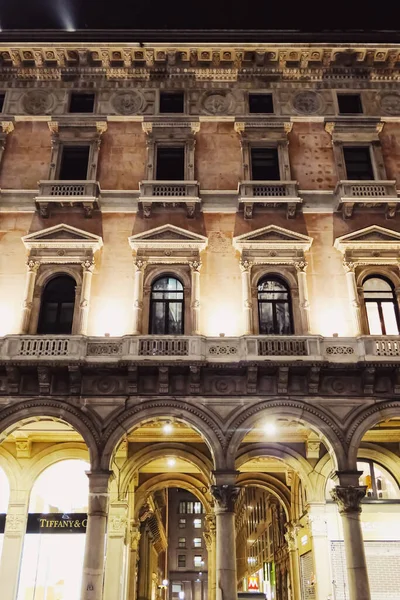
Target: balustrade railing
x=268 y=193
x=68 y=192
x=169 y=193
x=351 y=193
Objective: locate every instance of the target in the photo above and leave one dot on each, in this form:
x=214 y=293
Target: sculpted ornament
x=307 y=102
x=217 y=103
x=390 y=104
x=37 y=102
x=225 y=497
x=349 y=498
x=127 y=103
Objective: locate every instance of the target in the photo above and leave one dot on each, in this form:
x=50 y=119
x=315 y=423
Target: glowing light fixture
x=269 y=428
x=171 y=462
x=165 y=582
x=167 y=427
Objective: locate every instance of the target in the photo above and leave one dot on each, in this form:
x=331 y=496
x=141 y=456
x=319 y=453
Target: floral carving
x=307 y=102
x=217 y=103
x=127 y=103
x=37 y=102
x=390 y=104
x=225 y=497
x=349 y=498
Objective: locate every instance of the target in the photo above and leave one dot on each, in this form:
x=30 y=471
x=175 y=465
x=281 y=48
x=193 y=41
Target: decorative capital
x=329 y=127
x=147 y=127
x=195 y=126
x=349 y=498
x=101 y=127
x=239 y=127
x=288 y=126
x=53 y=126
x=88 y=265
x=348 y=266
x=245 y=266
x=7 y=126
x=301 y=266
x=33 y=265
x=134 y=536
x=380 y=126
x=139 y=264
x=225 y=497
x=195 y=265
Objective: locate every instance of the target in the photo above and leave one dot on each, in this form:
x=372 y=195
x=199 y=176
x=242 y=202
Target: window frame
x=197 y=520
x=59 y=305
x=76 y=135
x=348 y=93
x=394 y=301
x=60 y=158
x=166 y=303
x=181 y=558
x=289 y=279
x=4 y=94
x=371 y=157
x=171 y=92
x=171 y=145
x=265 y=147
x=170 y=135
x=81 y=93
x=261 y=93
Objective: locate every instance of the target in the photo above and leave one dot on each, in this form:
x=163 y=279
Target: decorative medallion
x=37 y=102
x=390 y=104
x=127 y=103
x=217 y=103
x=307 y=103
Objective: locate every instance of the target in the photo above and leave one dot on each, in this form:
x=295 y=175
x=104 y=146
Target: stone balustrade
x=268 y=194
x=170 y=194
x=366 y=194
x=68 y=193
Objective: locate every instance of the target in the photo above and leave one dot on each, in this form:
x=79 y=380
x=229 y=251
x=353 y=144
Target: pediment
x=372 y=237
x=62 y=236
x=272 y=236
x=167 y=236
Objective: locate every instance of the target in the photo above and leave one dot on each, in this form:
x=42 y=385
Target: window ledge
x=68 y=193
x=170 y=194
x=366 y=194
x=269 y=194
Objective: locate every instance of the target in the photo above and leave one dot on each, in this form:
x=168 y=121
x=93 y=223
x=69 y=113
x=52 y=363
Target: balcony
x=268 y=194
x=68 y=193
x=366 y=194
x=169 y=194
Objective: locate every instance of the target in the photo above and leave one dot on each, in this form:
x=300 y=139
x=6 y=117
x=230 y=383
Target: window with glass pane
x=166 y=307
x=181 y=560
x=198 y=561
x=182 y=542
x=197 y=542
x=380 y=484
x=182 y=523
x=198 y=508
x=381 y=306
x=197 y=523
x=57 y=307
x=358 y=162
x=274 y=307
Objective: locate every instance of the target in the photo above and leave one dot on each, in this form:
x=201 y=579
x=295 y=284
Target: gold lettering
x=42 y=522
x=50 y=523
x=84 y=523
x=76 y=524
x=70 y=523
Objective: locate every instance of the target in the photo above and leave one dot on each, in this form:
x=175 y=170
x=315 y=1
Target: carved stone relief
x=127 y=103
x=218 y=102
x=390 y=104
x=37 y=102
x=307 y=102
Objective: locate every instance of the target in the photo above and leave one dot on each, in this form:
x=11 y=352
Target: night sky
x=195 y=14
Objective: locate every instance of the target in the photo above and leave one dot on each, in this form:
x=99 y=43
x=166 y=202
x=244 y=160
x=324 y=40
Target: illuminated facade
x=199 y=291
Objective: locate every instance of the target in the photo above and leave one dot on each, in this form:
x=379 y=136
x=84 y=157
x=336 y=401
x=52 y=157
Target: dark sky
x=305 y=15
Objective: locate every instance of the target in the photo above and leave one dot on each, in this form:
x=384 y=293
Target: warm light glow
x=110 y=318
x=168 y=428
x=269 y=428
x=330 y=320
x=181 y=595
x=223 y=319
x=53 y=491
x=8 y=319
x=171 y=462
x=4 y=492
x=165 y=582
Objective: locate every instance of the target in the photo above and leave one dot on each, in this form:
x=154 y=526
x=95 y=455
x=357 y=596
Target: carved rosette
x=225 y=497
x=348 y=498
x=127 y=103
x=37 y=102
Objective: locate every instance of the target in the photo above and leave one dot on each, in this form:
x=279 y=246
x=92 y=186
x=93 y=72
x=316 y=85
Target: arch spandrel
x=269 y=484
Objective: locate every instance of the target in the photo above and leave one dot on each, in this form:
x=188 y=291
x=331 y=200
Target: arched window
x=381 y=306
x=380 y=484
x=166 y=307
x=274 y=307
x=57 y=306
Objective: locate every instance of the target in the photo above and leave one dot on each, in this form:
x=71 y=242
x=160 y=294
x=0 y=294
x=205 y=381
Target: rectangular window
x=189 y=508
x=265 y=164
x=181 y=560
x=358 y=162
x=81 y=102
x=197 y=542
x=74 y=162
x=182 y=523
x=172 y=102
x=182 y=507
x=181 y=542
x=170 y=163
x=349 y=104
x=198 y=561
x=2 y=97
x=198 y=508
x=261 y=103
x=197 y=523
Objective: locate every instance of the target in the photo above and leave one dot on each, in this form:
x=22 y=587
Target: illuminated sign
x=56 y=523
x=252 y=584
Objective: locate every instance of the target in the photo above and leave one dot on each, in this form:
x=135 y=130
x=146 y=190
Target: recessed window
x=264 y=164
x=274 y=307
x=358 y=162
x=261 y=103
x=74 y=162
x=198 y=561
x=172 y=102
x=166 y=314
x=197 y=542
x=380 y=484
x=170 y=163
x=2 y=98
x=181 y=542
x=197 y=523
x=349 y=104
x=181 y=560
x=182 y=523
x=381 y=306
x=81 y=102
x=57 y=306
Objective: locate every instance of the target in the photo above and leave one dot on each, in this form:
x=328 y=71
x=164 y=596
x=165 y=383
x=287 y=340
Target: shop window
x=197 y=542
x=358 y=162
x=57 y=306
x=181 y=560
x=261 y=103
x=181 y=542
x=172 y=102
x=349 y=104
x=170 y=163
x=81 y=102
x=74 y=162
x=197 y=523
x=274 y=307
x=381 y=306
x=264 y=164
x=182 y=523
x=166 y=307
x=198 y=561
x=381 y=485
x=2 y=98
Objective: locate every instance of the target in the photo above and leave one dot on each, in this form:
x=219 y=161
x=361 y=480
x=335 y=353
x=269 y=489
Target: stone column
x=195 y=267
x=114 y=576
x=210 y=540
x=320 y=550
x=84 y=303
x=134 y=538
x=13 y=543
x=348 y=498
x=245 y=267
x=291 y=539
x=349 y=267
x=93 y=566
x=304 y=303
x=140 y=266
x=33 y=266
x=225 y=495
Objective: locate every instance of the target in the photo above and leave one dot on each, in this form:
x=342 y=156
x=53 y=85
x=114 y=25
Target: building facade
x=199 y=291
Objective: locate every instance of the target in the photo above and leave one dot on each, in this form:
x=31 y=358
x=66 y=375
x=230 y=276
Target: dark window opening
x=166 y=307
x=2 y=97
x=265 y=164
x=172 y=102
x=170 y=163
x=358 y=162
x=261 y=103
x=349 y=104
x=81 y=102
x=74 y=162
x=274 y=307
x=181 y=560
x=57 y=307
